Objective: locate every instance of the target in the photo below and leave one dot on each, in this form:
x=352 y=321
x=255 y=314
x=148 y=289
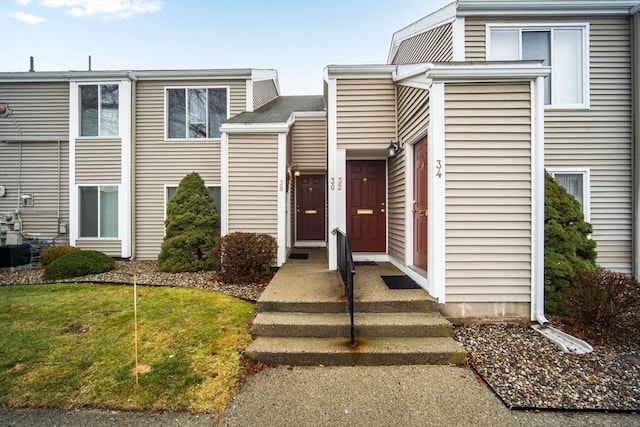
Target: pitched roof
x=280 y=109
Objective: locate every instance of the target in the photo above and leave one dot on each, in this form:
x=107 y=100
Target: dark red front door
x=420 y=205
x=310 y=205
x=366 y=209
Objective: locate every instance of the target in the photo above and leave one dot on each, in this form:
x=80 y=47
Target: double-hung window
x=576 y=182
x=99 y=106
x=562 y=47
x=194 y=113
x=98 y=207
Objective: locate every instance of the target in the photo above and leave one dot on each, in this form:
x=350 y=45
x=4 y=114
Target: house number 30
x=333 y=183
x=439 y=168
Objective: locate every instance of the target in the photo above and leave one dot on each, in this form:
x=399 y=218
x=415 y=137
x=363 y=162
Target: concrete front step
x=303 y=351
x=327 y=325
x=421 y=303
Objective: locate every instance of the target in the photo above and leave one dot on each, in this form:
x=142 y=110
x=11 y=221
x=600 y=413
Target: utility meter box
x=14 y=238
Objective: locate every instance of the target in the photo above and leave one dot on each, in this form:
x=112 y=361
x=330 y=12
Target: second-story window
x=99 y=110
x=194 y=113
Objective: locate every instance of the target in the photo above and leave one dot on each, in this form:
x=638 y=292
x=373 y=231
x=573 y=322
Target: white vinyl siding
x=599 y=139
x=366 y=113
x=98 y=160
x=158 y=162
x=488 y=193
x=253 y=183
x=435 y=45
x=263 y=92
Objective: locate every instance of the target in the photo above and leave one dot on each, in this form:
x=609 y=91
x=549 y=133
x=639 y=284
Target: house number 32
x=439 y=168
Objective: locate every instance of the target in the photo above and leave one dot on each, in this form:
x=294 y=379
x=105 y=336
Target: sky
x=298 y=38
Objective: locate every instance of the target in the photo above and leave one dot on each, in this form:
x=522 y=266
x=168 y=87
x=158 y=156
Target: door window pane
x=109 y=110
x=567 y=67
x=109 y=211
x=505 y=45
x=89 y=110
x=536 y=46
x=88 y=211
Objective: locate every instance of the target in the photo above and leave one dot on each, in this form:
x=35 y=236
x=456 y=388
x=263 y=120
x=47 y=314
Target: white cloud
x=109 y=9
x=27 y=18
x=23 y=2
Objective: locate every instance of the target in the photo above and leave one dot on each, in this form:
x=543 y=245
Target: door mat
x=400 y=282
x=360 y=263
x=299 y=256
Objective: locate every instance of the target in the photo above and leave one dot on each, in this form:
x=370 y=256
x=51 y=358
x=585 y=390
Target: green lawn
x=73 y=346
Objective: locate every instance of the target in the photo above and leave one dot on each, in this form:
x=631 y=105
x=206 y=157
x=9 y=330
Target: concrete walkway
x=387 y=396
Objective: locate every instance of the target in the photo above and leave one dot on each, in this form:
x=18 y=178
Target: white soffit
x=545 y=7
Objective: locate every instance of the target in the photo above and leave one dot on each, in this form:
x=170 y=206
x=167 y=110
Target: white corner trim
x=249 y=96
x=74 y=126
x=224 y=184
x=458 y=28
x=258 y=74
x=333 y=201
x=282 y=199
x=437 y=196
x=124 y=192
x=537 y=201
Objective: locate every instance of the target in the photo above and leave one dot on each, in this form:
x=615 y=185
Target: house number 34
x=333 y=184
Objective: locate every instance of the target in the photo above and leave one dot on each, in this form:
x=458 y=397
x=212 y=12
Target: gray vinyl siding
x=309 y=143
x=98 y=161
x=366 y=113
x=38 y=176
x=599 y=138
x=253 y=183
x=160 y=162
x=413 y=118
x=435 y=45
x=488 y=192
x=263 y=92
x=41 y=161
x=38 y=109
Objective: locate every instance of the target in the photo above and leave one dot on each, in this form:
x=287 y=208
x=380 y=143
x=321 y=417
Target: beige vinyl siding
x=599 y=138
x=366 y=113
x=263 y=92
x=111 y=247
x=38 y=176
x=160 y=162
x=488 y=192
x=38 y=109
x=98 y=161
x=253 y=183
x=435 y=45
x=309 y=143
x=413 y=118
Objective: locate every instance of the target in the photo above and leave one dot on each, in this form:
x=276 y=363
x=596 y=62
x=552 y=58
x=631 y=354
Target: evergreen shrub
x=191 y=228
x=242 y=258
x=568 y=250
x=78 y=263
x=51 y=253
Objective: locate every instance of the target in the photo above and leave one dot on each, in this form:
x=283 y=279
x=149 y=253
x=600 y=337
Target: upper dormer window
x=562 y=47
x=194 y=113
x=99 y=110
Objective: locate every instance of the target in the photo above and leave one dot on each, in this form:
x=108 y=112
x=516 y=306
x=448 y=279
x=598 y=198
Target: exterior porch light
x=295 y=170
x=394 y=148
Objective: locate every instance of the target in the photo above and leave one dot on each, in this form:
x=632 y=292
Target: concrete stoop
x=403 y=331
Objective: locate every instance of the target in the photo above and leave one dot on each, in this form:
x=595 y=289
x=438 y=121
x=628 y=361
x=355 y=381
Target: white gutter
x=544 y=7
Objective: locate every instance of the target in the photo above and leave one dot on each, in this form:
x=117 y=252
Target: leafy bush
x=52 y=253
x=603 y=299
x=78 y=263
x=191 y=228
x=567 y=247
x=244 y=257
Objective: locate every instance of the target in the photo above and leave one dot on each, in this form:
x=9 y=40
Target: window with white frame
x=99 y=110
x=576 y=182
x=214 y=192
x=562 y=47
x=98 y=205
x=194 y=113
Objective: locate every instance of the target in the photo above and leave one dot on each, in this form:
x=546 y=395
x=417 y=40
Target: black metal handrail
x=347 y=271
